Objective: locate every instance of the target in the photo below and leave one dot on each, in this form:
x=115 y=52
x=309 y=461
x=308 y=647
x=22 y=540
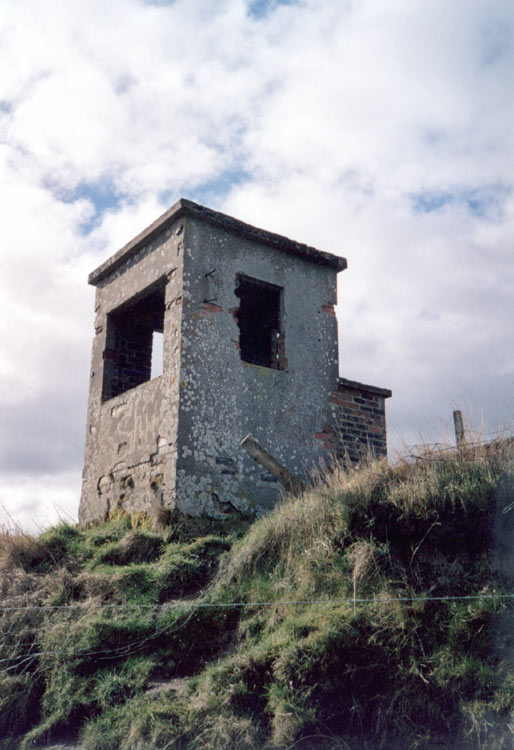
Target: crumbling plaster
x=223 y=398
x=131 y=439
x=174 y=441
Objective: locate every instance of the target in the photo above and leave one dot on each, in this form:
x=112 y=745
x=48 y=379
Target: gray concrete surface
x=174 y=441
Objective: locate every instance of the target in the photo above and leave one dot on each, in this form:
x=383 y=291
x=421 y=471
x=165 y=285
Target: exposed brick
x=359 y=415
x=209 y=308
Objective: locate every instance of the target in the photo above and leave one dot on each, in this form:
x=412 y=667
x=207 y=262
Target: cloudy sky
x=381 y=130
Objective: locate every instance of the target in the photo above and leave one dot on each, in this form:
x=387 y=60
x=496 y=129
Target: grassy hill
x=368 y=613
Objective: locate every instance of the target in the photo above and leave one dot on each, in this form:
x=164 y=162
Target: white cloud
x=380 y=131
x=21 y=500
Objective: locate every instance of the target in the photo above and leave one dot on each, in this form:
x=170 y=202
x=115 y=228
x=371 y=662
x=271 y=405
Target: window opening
x=157 y=352
x=258 y=317
x=133 y=351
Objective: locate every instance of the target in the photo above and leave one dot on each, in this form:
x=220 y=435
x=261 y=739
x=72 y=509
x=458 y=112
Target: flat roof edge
x=354 y=384
x=186 y=207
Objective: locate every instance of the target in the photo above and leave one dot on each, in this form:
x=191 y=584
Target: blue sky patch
x=427 y=202
x=484 y=202
x=496 y=40
x=102 y=195
x=213 y=192
x=261 y=8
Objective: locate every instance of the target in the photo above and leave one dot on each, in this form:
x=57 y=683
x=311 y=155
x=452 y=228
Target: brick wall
x=134 y=349
x=358 y=425
x=128 y=352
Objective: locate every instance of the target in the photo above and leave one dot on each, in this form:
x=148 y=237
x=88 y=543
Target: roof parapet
x=185 y=207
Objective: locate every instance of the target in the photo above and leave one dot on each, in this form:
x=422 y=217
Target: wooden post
x=288 y=480
x=459 y=428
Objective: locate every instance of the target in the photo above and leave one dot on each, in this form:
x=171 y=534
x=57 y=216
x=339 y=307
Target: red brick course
x=358 y=428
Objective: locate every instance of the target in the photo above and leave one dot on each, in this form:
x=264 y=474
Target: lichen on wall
x=250 y=346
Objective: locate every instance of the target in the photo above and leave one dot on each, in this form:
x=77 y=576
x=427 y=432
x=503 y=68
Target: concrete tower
x=249 y=340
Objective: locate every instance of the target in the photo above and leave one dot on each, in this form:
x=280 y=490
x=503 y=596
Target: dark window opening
x=260 y=337
x=131 y=354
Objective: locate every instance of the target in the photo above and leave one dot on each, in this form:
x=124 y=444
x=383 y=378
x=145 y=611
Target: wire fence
x=425 y=451
x=25 y=656
x=278 y=603
x=27 y=659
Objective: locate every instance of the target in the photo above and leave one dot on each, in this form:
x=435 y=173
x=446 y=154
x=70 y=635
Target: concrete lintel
x=344 y=383
x=185 y=207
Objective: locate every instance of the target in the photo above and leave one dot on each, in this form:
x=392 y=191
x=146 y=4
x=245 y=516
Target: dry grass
x=16 y=547
x=317 y=667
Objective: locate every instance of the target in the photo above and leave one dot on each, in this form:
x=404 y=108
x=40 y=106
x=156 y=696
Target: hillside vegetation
x=367 y=613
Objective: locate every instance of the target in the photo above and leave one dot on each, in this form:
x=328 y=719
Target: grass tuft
x=323 y=625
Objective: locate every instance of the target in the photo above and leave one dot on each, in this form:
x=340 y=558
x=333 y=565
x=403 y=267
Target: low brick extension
x=358 y=421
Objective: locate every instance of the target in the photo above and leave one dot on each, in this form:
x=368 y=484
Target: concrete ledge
x=344 y=384
x=185 y=207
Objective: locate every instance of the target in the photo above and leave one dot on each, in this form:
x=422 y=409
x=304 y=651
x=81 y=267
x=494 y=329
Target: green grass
x=316 y=667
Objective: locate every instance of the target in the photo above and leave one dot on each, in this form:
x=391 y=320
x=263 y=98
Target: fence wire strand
x=27 y=658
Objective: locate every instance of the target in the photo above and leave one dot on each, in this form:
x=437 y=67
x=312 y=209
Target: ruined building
x=249 y=341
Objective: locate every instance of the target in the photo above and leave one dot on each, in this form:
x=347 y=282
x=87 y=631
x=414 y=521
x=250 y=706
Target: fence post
x=459 y=428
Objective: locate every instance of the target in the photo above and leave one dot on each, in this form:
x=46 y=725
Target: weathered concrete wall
x=174 y=441
x=131 y=439
x=224 y=398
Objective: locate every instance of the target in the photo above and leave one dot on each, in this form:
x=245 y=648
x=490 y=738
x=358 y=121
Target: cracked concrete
x=173 y=441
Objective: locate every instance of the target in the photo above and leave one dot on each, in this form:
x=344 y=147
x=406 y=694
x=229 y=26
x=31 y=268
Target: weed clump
x=369 y=613
x=134 y=547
